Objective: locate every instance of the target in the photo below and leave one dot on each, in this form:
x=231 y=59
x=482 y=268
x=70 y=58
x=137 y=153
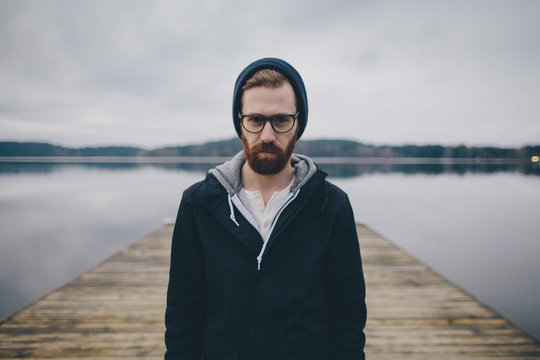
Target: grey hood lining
x=229 y=173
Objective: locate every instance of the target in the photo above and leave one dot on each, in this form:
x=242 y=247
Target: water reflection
x=352 y=170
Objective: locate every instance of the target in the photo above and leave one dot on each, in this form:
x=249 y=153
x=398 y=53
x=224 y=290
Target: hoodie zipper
x=290 y=199
x=247 y=215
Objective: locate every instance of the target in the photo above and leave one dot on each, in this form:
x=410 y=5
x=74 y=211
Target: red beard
x=268 y=165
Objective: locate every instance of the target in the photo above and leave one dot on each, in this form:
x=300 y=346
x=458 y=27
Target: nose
x=267 y=134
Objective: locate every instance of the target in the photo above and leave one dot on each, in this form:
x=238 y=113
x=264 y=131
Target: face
x=268 y=152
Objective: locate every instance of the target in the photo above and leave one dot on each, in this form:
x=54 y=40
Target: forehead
x=269 y=100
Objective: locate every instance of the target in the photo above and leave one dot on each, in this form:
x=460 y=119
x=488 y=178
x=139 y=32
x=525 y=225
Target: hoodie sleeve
x=346 y=287
x=186 y=294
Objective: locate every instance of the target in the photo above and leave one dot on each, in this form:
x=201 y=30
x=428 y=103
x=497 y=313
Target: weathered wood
x=116 y=310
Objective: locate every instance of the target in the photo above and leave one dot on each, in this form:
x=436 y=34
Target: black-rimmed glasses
x=281 y=123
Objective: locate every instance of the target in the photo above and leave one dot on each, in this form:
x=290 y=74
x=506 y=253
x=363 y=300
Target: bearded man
x=265 y=262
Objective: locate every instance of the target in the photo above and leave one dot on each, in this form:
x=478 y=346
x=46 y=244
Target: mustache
x=267 y=147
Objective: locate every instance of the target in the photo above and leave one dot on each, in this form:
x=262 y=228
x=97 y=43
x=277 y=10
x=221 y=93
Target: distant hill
x=46 y=149
x=214 y=148
x=343 y=148
x=314 y=148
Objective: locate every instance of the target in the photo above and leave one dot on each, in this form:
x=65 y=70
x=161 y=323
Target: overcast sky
x=155 y=73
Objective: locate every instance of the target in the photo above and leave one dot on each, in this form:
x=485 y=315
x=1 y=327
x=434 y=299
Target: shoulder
x=337 y=199
x=191 y=191
x=203 y=189
x=320 y=178
x=335 y=191
x=205 y=192
x=333 y=198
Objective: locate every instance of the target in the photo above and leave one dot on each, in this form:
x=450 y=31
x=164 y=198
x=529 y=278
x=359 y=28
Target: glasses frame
x=266 y=119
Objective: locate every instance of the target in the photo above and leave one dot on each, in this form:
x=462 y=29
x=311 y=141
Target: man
x=265 y=262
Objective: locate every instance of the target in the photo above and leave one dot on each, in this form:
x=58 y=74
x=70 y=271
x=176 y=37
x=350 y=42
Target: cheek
x=247 y=140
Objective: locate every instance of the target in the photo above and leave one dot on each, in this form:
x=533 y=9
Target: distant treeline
x=314 y=148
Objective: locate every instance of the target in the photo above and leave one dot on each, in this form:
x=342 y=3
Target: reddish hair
x=265 y=77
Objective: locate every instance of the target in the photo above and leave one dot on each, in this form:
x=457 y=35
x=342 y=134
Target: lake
x=477 y=225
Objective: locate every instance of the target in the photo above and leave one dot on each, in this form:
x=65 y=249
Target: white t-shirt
x=264 y=216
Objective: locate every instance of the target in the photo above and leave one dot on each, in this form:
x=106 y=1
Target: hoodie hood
x=229 y=173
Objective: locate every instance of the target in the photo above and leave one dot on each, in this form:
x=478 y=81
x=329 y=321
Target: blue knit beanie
x=289 y=72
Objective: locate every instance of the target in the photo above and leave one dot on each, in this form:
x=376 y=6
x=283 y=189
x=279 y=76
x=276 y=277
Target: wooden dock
x=116 y=310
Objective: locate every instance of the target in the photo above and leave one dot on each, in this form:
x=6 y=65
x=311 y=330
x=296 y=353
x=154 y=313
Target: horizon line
x=150 y=148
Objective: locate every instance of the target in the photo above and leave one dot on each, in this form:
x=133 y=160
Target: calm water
x=479 y=227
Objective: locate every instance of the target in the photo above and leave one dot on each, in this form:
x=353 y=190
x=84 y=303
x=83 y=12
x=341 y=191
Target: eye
x=281 y=119
x=255 y=120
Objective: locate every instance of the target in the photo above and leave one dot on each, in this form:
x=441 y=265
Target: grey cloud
x=387 y=71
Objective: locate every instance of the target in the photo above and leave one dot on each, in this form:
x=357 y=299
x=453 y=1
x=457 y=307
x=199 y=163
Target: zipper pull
x=259 y=260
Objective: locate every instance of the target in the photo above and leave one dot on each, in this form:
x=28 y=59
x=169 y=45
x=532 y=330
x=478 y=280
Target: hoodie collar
x=229 y=173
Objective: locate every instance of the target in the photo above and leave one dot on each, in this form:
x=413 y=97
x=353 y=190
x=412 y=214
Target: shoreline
x=220 y=159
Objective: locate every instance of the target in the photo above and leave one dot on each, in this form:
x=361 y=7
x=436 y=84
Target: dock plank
x=115 y=310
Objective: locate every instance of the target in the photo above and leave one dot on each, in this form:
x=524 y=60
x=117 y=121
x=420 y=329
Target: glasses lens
x=253 y=123
x=282 y=123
